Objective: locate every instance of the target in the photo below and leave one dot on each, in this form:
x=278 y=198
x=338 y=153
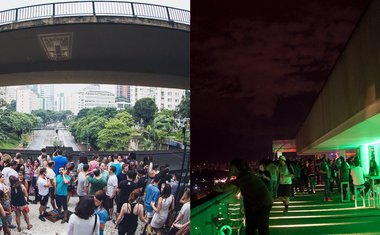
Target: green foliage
x=12 y=106
x=144 y=110
x=115 y=136
x=49 y=116
x=184 y=106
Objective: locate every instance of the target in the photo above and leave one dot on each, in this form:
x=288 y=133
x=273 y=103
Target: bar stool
x=356 y=188
x=346 y=185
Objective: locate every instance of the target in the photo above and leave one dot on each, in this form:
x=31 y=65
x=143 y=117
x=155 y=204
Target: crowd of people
x=136 y=197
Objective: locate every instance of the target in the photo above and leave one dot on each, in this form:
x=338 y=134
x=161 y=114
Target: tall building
x=165 y=98
x=8 y=93
x=46 y=94
x=90 y=97
x=123 y=90
x=26 y=101
x=61 y=102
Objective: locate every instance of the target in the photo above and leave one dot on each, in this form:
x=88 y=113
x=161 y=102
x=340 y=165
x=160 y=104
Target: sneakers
x=56 y=211
x=11 y=226
x=286 y=208
x=42 y=218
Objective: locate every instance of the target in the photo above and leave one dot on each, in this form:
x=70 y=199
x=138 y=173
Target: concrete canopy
x=105 y=50
x=346 y=114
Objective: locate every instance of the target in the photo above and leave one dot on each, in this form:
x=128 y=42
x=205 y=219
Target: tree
x=12 y=105
x=144 y=110
x=184 y=106
x=115 y=136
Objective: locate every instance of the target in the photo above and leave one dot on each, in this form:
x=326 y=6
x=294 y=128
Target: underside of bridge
x=95 y=49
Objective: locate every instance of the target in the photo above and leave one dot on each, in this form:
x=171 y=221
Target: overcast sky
x=7 y=4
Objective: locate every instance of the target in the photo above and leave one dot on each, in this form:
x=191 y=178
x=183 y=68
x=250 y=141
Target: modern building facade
x=46 y=95
x=346 y=115
x=26 y=101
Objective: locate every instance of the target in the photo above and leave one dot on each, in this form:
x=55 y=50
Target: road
x=43 y=138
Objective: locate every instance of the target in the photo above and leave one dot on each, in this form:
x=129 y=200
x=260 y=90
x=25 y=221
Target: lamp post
x=184 y=122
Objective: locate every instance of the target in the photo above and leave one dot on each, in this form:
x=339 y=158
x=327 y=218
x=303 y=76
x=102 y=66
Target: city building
x=26 y=101
x=8 y=93
x=46 y=95
x=61 y=102
x=90 y=97
x=165 y=98
x=124 y=91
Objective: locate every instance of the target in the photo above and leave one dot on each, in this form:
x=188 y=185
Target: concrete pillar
x=364 y=158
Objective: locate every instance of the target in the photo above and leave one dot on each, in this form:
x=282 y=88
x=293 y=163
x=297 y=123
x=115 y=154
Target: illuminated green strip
x=312 y=225
x=320 y=210
x=310 y=216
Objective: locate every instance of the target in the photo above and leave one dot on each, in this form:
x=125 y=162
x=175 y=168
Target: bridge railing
x=95 y=8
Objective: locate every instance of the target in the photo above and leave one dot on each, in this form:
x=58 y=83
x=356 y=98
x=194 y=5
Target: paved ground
x=309 y=214
x=43 y=138
x=50 y=228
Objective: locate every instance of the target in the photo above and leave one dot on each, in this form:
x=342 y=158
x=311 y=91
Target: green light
x=312 y=225
x=364 y=158
x=224 y=229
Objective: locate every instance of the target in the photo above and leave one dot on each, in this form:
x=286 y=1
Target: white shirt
x=41 y=162
x=111 y=185
x=82 y=226
x=82 y=183
x=7 y=172
x=50 y=174
x=357 y=174
x=42 y=190
x=185 y=211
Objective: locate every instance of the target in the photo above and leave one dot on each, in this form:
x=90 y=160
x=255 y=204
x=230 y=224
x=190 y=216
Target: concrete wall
x=351 y=93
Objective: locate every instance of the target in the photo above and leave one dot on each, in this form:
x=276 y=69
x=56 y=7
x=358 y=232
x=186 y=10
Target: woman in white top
x=164 y=205
x=84 y=221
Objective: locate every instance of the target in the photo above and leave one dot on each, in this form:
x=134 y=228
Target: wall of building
x=351 y=93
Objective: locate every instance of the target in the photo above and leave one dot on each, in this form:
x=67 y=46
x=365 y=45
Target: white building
x=90 y=97
x=61 y=102
x=165 y=98
x=8 y=93
x=26 y=101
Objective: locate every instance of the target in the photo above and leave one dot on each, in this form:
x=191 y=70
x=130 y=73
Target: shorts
x=110 y=202
x=284 y=190
x=61 y=201
x=24 y=208
x=44 y=200
x=51 y=192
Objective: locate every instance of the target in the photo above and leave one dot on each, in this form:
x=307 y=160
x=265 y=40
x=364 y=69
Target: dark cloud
x=256 y=70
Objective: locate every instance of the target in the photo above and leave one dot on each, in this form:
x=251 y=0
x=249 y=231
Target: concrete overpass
x=95 y=42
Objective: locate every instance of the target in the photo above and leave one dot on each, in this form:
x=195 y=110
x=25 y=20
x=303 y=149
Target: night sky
x=257 y=69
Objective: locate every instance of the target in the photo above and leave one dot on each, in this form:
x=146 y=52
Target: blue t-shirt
x=103 y=217
x=118 y=168
x=61 y=186
x=152 y=194
x=60 y=161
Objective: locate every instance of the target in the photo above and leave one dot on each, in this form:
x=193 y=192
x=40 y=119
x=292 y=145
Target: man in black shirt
x=257 y=199
x=124 y=189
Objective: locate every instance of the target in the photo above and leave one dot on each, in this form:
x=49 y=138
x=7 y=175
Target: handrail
x=95 y=8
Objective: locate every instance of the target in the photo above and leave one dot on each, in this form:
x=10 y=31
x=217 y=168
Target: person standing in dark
x=257 y=198
x=265 y=176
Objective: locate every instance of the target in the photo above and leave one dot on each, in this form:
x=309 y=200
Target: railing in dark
x=95 y=8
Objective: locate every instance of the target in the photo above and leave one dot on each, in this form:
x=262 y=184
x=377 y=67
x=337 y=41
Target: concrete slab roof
x=103 y=49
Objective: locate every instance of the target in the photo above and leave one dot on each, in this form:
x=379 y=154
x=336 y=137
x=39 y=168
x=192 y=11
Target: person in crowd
x=71 y=187
x=28 y=174
x=111 y=189
x=82 y=160
x=84 y=221
x=273 y=170
x=100 y=200
x=285 y=183
x=7 y=213
x=19 y=162
x=94 y=163
x=297 y=176
x=96 y=182
x=115 y=162
x=6 y=203
x=174 y=183
x=62 y=182
x=344 y=174
x=311 y=174
x=36 y=170
x=125 y=188
x=43 y=157
x=21 y=178
x=43 y=184
x=373 y=169
x=265 y=176
x=59 y=160
x=164 y=205
x=51 y=176
x=142 y=180
x=18 y=202
x=130 y=213
x=257 y=198
x=326 y=174
x=152 y=195
x=123 y=174
x=103 y=171
x=183 y=217
x=82 y=188
x=357 y=174
x=9 y=168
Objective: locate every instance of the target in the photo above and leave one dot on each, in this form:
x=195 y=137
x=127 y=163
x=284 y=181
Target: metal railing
x=95 y=8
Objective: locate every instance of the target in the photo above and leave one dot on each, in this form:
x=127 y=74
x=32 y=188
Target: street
x=43 y=138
